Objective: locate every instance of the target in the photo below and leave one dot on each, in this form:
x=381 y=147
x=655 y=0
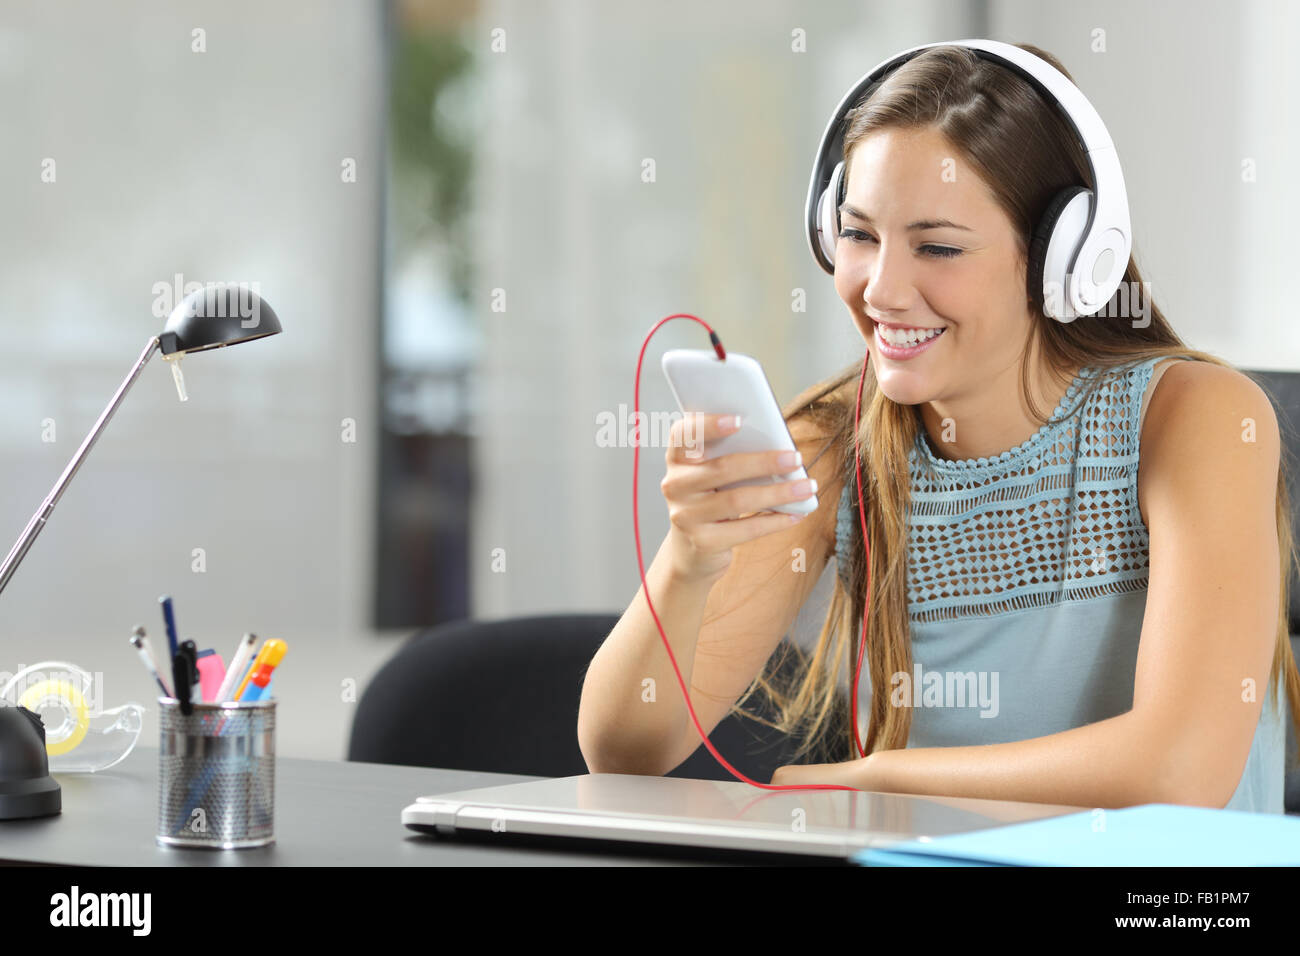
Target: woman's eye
x=937 y=252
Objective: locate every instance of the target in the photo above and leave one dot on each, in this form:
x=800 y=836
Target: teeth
x=906 y=338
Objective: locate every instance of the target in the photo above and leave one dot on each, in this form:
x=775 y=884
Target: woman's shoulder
x=1173 y=383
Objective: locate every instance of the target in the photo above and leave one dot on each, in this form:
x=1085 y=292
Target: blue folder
x=1155 y=834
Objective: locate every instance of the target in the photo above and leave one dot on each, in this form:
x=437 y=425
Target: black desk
x=327 y=813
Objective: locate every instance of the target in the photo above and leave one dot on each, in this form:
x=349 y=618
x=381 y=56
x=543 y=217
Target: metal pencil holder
x=216 y=774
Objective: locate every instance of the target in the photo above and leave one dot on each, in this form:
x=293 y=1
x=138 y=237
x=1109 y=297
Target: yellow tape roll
x=65 y=695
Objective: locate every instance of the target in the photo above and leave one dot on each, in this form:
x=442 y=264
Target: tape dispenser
x=79 y=736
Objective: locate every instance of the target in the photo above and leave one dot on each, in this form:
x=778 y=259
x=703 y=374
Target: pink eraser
x=211 y=673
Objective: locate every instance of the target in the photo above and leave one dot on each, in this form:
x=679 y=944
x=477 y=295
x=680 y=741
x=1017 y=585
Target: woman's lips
x=902 y=353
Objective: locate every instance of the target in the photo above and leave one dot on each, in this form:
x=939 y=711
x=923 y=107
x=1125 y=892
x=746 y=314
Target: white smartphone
x=701 y=382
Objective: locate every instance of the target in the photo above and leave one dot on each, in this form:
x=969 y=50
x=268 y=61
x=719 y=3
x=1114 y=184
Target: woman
x=1086 y=609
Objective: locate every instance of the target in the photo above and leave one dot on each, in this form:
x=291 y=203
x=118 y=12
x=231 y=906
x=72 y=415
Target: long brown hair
x=980 y=107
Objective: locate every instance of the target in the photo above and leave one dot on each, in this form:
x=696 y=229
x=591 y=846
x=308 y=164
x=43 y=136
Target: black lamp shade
x=215 y=316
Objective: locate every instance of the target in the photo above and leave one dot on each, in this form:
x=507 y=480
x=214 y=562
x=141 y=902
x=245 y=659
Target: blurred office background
x=447 y=204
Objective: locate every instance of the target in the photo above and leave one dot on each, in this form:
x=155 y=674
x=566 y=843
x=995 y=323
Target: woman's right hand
x=706 y=523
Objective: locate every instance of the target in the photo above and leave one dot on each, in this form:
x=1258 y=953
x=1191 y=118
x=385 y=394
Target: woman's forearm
x=1118 y=762
x=632 y=717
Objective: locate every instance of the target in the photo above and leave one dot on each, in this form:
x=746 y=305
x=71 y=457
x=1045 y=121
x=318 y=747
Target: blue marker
x=170 y=621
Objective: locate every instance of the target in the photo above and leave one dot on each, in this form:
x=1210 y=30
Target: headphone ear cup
x=1038 y=246
x=828 y=219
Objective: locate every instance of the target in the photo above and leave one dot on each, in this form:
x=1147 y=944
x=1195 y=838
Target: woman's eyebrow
x=847 y=210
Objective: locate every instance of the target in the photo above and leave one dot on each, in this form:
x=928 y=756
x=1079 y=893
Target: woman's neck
x=992 y=419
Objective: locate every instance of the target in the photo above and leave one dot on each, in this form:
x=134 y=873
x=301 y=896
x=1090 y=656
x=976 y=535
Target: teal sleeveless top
x=1027 y=583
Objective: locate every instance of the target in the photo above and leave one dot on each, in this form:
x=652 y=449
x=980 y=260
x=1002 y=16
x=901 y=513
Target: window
x=428 y=339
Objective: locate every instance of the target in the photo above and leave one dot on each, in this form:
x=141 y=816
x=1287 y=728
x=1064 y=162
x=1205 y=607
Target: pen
x=238 y=664
x=169 y=620
x=153 y=658
x=181 y=681
x=257 y=683
x=142 y=648
x=190 y=652
x=244 y=674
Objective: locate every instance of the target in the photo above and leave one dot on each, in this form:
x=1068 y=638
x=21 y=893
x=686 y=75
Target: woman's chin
x=904 y=386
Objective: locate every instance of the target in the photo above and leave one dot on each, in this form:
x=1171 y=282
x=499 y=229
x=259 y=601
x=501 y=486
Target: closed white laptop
x=716 y=814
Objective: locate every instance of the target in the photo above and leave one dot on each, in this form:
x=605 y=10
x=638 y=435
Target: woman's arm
x=721 y=633
x=1112 y=763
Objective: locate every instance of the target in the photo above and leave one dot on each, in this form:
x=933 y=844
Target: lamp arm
x=19 y=550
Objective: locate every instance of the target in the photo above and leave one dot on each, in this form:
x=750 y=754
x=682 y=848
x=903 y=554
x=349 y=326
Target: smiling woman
x=1058 y=610
x=1074 y=557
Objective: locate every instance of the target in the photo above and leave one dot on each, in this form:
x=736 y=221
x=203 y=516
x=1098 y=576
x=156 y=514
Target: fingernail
x=789 y=459
x=729 y=423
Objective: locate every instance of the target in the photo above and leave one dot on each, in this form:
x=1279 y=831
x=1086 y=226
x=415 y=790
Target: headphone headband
x=1087 y=242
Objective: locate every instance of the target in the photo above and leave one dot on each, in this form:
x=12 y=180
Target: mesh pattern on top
x=1053 y=519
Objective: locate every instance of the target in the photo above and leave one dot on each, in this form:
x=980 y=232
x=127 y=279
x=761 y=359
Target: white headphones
x=1081 y=247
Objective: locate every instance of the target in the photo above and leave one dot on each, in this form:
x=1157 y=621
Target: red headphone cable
x=636 y=528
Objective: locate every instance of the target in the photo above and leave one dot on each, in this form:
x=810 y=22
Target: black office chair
x=503 y=696
x=1285 y=393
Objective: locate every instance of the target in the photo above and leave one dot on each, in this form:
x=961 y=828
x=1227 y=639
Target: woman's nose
x=888 y=283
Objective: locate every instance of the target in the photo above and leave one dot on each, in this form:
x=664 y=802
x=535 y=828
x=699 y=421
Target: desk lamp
x=208 y=318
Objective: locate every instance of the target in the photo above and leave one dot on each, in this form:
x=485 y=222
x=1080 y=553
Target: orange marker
x=257 y=684
x=271 y=650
